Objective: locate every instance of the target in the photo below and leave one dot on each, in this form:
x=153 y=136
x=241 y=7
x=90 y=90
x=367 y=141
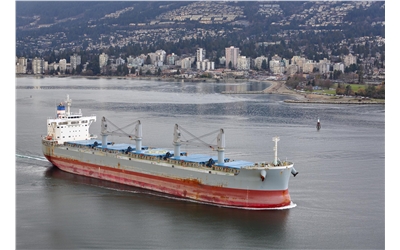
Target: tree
x=125 y=70
x=348 y=90
x=360 y=75
x=148 y=60
x=78 y=69
x=264 y=64
x=340 y=89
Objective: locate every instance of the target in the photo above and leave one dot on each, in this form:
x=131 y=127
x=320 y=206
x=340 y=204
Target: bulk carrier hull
x=197 y=177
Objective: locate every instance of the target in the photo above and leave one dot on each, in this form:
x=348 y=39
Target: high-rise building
x=259 y=60
x=186 y=63
x=309 y=66
x=205 y=65
x=37 y=65
x=349 y=60
x=201 y=54
x=75 y=60
x=243 y=63
x=161 y=55
x=63 y=65
x=21 y=64
x=103 y=59
x=171 y=59
x=119 y=61
x=338 y=67
x=231 y=55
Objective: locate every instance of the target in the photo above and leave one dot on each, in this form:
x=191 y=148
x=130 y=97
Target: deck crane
x=220 y=147
x=137 y=136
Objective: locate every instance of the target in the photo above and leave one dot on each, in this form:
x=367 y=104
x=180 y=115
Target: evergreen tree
x=264 y=64
x=148 y=60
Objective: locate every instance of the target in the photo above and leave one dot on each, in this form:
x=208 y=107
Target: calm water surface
x=339 y=192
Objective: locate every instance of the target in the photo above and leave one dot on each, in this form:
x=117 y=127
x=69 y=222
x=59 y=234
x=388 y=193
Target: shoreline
x=276 y=87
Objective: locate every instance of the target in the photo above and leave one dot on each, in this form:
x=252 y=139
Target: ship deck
x=162 y=153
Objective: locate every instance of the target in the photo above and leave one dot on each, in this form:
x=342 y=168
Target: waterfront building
x=205 y=65
x=259 y=60
x=243 y=63
x=231 y=55
x=201 y=54
x=299 y=61
x=309 y=66
x=277 y=65
x=292 y=69
x=186 y=63
x=119 y=61
x=75 y=60
x=63 y=65
x=222 y=60
x=103 y=59
x=171 y=58
x=161 y=55
x=21 y=65
x=37 y=66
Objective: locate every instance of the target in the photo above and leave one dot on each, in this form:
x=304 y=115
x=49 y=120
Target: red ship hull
x=183 y=188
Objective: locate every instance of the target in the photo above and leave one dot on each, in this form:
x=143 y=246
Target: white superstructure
x=68 y=126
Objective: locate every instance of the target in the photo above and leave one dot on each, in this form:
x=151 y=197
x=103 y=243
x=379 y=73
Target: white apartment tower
x=201 y=54
x=338 y=67
x=259 y=60
x=37 y=66
x=231 y=55
x=171 y=58
x=75 y=60
x=186 y=63
x=63 y=65
x=103 y=59
x=349 y=59
x=243 y=63
x=21 y=64
x=161 y=55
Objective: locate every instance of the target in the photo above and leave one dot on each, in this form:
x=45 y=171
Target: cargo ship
x=211 y=179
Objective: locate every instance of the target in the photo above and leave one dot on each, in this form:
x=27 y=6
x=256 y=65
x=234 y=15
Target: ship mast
x=276 y=139
x=68 y=105
x=221 y=147
x=177 y=142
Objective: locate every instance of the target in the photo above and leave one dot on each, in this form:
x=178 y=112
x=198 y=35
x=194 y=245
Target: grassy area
x=332 y=91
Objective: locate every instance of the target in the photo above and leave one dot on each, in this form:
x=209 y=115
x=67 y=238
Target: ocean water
x=339 y=192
